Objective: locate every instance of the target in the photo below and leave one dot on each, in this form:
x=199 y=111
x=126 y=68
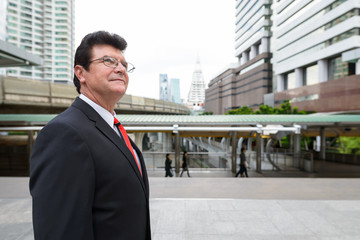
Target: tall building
x=164 y=93
x=245 y=83
x=175 y=90
x=44 y=28
x=316 y=54
x=196 y=96
x=306 y=52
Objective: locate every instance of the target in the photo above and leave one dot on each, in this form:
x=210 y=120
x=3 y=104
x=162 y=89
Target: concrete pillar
x=280 y=83
x=322 y=143
x=253 y=52
x=177 y=153
x=299 y=77
x=323 y=70
x=264 y=47
x=245 y=57
x=30 y=145
x=291 y=141
x=357 y=67
x=233 y=151
x=297 y=148
x=258 y=152
x=249 y=144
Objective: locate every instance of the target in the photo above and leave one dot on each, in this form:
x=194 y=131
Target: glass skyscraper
x=164 y=93
x=175 y=90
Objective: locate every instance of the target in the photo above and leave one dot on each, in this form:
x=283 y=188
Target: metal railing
x=197 y=160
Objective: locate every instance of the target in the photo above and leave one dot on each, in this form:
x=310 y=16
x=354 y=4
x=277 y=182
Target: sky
x=164 y=37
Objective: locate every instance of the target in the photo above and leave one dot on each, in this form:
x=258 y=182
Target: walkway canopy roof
x=12 y=56
x=212 y=125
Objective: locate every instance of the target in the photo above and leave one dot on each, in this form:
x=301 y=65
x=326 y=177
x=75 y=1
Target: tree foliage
x=207 y=113
x=285 y=108
x=350 y=145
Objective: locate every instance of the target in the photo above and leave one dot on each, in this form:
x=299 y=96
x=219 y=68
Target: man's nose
x=120 y=68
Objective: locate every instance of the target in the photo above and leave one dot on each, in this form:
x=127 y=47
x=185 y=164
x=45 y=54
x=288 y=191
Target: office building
x=175 y=90
x=196 y=96
x=316 y=54
x=44 y=28
x=306 y=52
x=245 y=83
x=164 y=93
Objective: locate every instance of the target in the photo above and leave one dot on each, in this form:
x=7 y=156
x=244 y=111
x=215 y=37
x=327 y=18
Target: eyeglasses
x=113 y=63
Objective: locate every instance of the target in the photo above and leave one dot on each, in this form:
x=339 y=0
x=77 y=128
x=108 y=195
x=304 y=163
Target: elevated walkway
x=31 y=96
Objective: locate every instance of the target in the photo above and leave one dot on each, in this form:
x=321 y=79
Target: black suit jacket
x=84 y=181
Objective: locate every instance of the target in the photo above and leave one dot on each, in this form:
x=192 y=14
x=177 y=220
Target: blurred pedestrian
x=185 y=164
x=168 y=168
x=243 y=164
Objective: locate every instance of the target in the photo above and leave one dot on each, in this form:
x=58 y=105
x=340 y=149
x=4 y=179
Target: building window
x=339 y=69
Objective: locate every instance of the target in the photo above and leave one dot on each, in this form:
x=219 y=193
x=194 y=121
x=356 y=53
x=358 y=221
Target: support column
x=357 y=67
x=233 y=151
x=249 y=144
x=264 y=47
x=253 y=52
x=280 y=83
x=297 y=148
x=29 y=148
x=299 y=77
x=323 y=70
x=177 y=153
x=258 y=152
x=322 y=143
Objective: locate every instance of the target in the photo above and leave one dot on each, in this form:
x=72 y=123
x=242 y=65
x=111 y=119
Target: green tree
x=349 y=145
x=207 y=113
x=285 y=108
x=240 y=110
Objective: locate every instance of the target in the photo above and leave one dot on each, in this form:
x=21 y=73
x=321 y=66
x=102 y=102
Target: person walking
x=185 y=164
x=168 y=167
x=243 y=165
x=88 y=179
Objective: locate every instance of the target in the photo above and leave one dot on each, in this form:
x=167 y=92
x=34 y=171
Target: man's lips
x=117 y=79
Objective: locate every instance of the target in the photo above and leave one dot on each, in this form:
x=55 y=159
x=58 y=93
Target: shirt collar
x=105 y=114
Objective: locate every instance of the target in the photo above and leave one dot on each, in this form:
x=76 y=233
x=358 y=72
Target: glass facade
x=339 y=69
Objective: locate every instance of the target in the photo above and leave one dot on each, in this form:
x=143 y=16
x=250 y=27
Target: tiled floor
x=215 y=205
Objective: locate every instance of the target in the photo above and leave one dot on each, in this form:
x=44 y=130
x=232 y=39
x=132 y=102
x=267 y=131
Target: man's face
x=103 y=82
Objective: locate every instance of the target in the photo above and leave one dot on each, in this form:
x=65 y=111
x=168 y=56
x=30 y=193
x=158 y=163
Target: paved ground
x=215 y=205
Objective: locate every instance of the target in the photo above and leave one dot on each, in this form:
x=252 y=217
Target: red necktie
x=127 y=141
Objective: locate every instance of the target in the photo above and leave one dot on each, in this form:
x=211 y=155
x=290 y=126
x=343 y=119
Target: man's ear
x=79 y=72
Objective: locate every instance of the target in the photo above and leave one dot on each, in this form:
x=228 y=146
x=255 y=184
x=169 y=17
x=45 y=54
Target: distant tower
x=164 y=87
x=175 y=90
x=196 y=95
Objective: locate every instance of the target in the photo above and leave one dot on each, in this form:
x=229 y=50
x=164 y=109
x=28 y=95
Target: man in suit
x=86 y=182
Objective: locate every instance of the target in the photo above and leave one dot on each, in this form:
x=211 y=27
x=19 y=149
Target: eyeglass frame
x=132 y=67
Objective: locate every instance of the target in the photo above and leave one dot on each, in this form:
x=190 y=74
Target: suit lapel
x=103 y=127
